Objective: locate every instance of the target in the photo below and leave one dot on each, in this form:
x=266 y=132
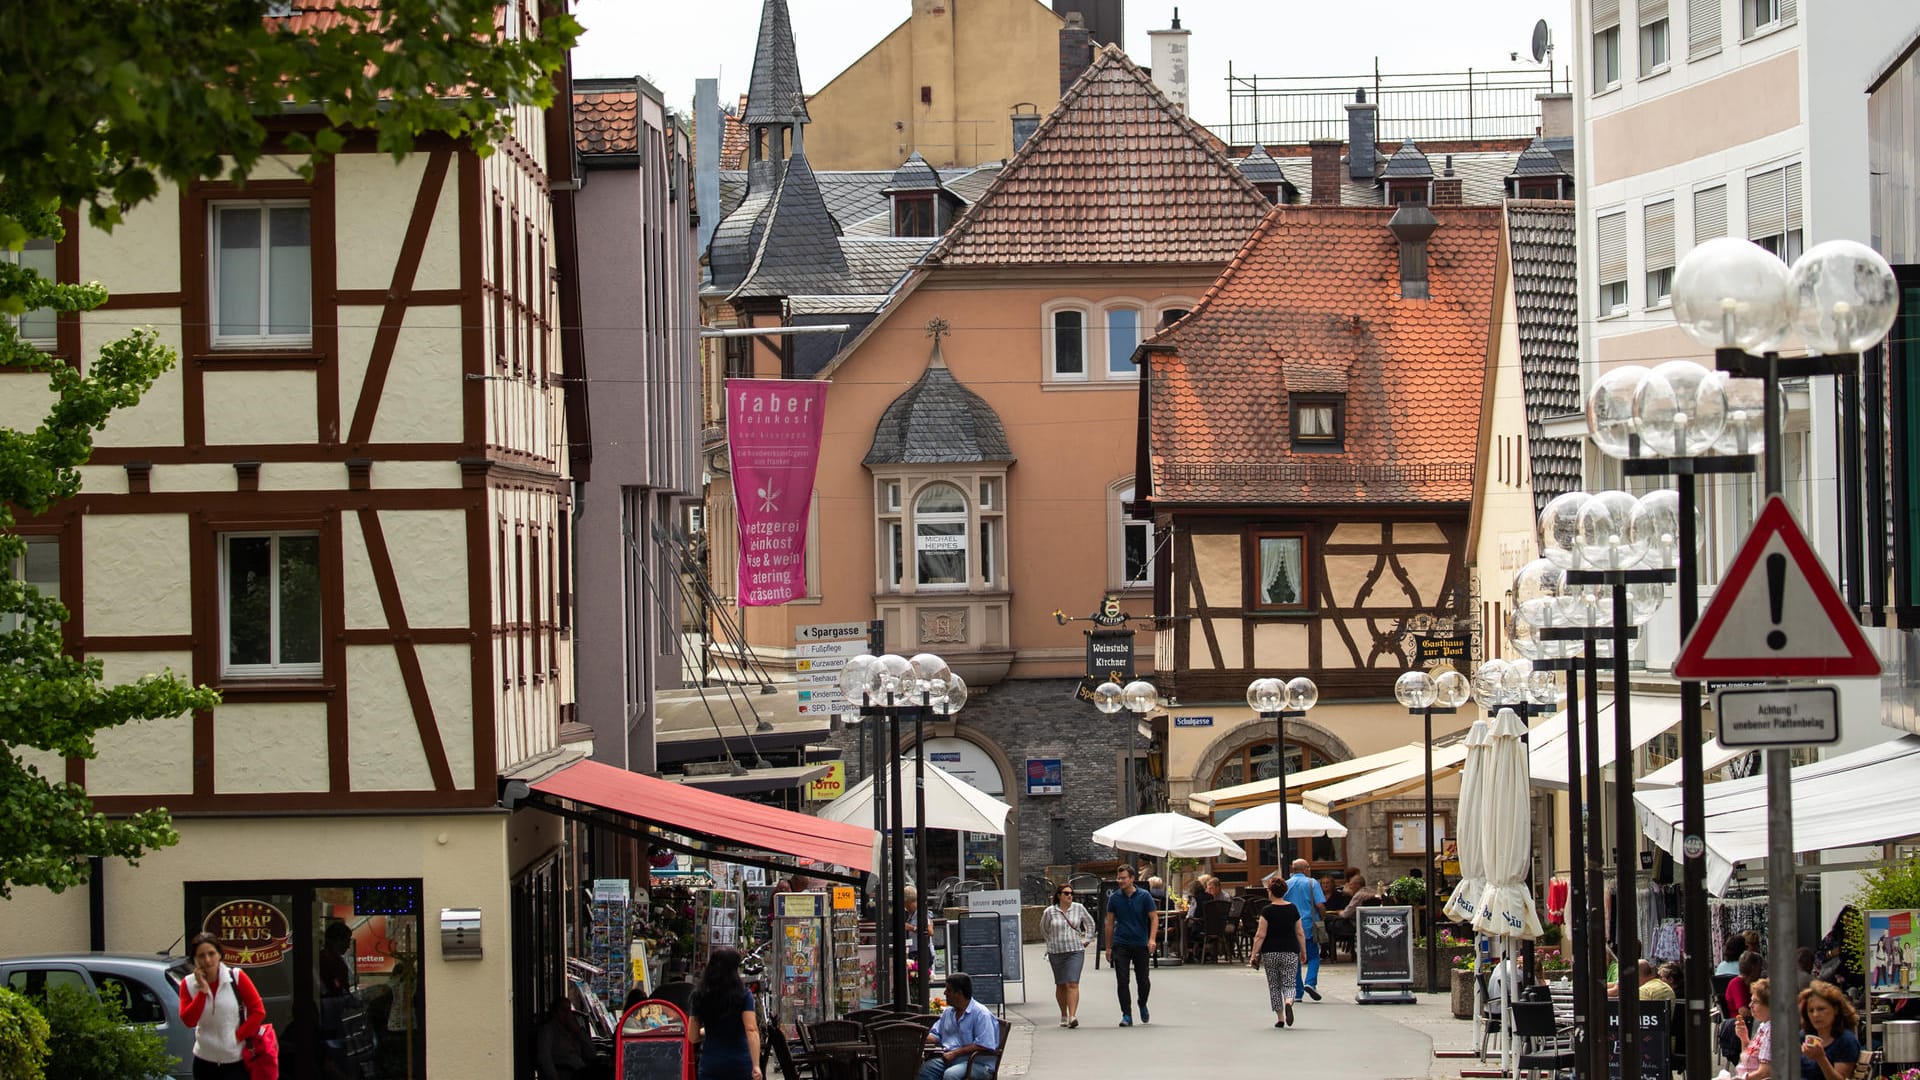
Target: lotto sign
x=1776 y=615
x=831 y=786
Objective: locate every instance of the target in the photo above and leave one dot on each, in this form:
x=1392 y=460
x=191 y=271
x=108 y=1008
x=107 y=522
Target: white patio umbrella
x=1506 y=910
x=1168 y=835
x=1464 y=904
x=952 y=803
x=1263 y=823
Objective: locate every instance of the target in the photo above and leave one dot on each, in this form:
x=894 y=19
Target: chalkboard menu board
x=979 y=951
x=1653 y=1040
x=1383 y=944
x=989 y=989
x=653 y=1059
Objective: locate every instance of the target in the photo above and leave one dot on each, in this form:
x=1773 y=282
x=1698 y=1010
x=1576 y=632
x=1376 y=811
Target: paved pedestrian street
x=1213 y=1020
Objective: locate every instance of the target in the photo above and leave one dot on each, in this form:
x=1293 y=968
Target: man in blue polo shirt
x=965 y=1026
x=1307 y=895
x=1131 y=933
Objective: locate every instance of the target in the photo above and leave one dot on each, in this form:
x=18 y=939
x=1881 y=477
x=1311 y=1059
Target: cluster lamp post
x=1423 y=695
x=1278 y=701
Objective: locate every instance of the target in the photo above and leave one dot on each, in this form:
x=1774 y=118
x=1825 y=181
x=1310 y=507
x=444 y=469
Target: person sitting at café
x=1829 y=1049
x=1337 y=898
x=965 y=1026
x=1209 y=889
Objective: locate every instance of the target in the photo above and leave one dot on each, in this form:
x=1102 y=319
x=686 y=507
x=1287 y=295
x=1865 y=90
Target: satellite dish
x=1541 y=40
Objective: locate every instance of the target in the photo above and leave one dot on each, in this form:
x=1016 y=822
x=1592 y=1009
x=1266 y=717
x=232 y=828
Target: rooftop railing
x=1426 y=106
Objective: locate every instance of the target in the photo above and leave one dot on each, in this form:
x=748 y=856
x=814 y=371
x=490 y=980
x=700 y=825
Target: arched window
x=940 y=537
x=1256 y=762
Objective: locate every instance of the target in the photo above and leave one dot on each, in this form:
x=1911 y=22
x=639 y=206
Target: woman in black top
x=1277 y=946
x=723 y=1022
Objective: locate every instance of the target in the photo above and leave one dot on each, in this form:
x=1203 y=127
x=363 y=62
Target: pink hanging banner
x=773 y=442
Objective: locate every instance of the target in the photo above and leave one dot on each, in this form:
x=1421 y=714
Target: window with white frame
x=262 y=274
x=1659 y=247
x=1135 y=540
x=39 y=327
x=1655 y=44
x=940 y=538
x=1773 y=210
x=1611 y=233
x=270 y=603
x=1606 y=44
x=1759 y=16
x=38 y=566
x=1069 y=344
x=1123 y=335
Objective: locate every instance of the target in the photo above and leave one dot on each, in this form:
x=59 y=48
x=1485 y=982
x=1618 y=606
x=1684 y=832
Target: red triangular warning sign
x=1777 y=615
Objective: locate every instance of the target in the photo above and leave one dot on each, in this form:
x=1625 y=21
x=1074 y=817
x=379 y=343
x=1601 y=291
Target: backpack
x=261 y=1052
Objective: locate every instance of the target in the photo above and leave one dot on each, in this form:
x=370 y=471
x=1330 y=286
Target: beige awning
x=1384 y=783
x=1241 y=796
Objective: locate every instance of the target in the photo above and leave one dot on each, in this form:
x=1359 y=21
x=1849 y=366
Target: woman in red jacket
x=224 y=1010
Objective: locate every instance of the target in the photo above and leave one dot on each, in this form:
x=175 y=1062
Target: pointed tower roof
x=798 y=250
x=775 y=85
x=1116 y=174
x=938 y=421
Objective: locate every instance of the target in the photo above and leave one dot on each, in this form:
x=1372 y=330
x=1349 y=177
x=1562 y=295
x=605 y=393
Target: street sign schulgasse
x=1772 y=716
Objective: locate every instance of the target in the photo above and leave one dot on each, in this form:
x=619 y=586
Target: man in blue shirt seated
x=1131 y=932
x=965 y=1026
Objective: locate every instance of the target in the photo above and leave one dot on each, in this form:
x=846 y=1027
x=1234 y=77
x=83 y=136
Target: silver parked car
x=147 y=987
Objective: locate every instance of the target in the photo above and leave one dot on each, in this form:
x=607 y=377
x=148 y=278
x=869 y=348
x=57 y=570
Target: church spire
x=776 y=72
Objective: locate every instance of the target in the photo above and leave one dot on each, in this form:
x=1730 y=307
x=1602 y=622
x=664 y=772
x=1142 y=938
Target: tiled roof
x=938 y=420
x=799 y=249
x=607 y=121
x=1115 y=174
x=1310 y=304
x=1545 y=291
x=733 y=138
x=773 y=92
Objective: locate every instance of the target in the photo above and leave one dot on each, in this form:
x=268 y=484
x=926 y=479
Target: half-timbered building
x=346 y=508
x=1308 y=443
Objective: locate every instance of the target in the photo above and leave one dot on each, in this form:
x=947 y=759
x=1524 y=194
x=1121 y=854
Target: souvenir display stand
x=803 y=963
x=653 y=1044
x=610 y=939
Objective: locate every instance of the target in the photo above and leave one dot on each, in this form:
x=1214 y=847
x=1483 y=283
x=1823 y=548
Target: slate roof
x=914 y=174
x=855 y=196
x=1482 y=174
x=1408 y=161
x=938 y=421
x=1115 y=174
x=1537 y=160
x=1545 y=292
x=1259 y=167
x=773 y=92
x=799 y=247
x=1312 y=304
x=736 y=240
x=606 y=120
x=876 y=264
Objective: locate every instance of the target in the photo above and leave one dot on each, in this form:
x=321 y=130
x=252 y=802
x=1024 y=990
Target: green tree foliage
x=1893 y=887
x=23 y=1038
x=105 y=101
x=89 y=1039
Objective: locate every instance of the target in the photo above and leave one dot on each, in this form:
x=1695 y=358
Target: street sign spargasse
x=1778 y=716
x=833 y=631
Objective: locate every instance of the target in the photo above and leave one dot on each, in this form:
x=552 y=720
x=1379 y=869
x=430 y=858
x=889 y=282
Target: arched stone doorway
x=978 y=760
x=1245 y=754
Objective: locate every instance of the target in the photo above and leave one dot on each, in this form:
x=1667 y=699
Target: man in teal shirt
x=1305 y=893
x=1132 y=930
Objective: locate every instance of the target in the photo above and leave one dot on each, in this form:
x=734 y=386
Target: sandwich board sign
x=1776 y=615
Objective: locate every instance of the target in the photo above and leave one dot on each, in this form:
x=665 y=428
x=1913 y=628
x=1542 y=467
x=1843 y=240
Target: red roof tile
x=1115 y=174
x=1312 y=304
x=733 y=137
x=606 y=121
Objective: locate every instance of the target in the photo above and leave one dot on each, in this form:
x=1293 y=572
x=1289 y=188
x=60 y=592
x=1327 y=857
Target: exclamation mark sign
x=1776 y=585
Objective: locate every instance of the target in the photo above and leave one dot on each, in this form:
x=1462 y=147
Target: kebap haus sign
x=254 y=932
x=773 y=448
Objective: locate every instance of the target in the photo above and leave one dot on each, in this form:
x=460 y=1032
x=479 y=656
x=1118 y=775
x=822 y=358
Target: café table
x=844 y=1058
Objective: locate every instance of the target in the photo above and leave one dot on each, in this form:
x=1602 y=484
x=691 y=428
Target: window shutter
x=1787 y=10
x=1660 y=235
x=1792 y=187
x=1703 y=28
x=1710 y=213
x=1605 y=13
x=1612 y=235
x=1652 y=11
x=1766 y=203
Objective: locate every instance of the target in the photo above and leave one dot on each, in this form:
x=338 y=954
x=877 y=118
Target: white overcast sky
x=674 y=43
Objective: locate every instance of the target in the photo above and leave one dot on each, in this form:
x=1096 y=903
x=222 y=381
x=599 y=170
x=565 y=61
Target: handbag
x=261 y=1050
x=1320 y=932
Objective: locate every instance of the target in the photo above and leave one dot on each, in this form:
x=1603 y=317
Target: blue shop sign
x=1193 y=721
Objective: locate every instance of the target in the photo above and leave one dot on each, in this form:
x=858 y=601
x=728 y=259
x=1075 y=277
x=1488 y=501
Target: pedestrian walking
x=221 y=1006
x=1132 y=930
x=1306 y=896
x=1277 y=947
x=1068 y=929
x=723 y=1021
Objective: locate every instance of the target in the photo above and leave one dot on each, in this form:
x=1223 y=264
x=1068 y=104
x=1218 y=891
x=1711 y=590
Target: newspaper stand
x=652 y=1044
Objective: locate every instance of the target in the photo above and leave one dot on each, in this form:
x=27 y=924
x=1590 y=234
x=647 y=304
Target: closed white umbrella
x=1263 y=823
x=1169 y=835
x=1506 y=843
x=952 y=803
x=1464 y=904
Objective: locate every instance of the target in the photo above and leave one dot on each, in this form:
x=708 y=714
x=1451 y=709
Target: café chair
x=896 y=1050
x=1543 y=1046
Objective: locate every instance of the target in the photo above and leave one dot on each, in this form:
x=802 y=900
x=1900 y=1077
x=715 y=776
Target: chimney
x=1411 y=225
x=1556 y=115
x=1076 y=50
x=1170 y=61
x=1026 y=120
x=1363 y=125
x=1446 y=189
x=1326 y=172
x=707 y=129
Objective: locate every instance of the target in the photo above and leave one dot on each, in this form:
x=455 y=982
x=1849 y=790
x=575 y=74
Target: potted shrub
x=1463 y=986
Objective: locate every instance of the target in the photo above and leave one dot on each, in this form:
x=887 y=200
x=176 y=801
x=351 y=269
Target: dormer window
x=1537 y=189
x=1317 y=421
x=1270 y=190
x=913 y=215
x=1409 y=192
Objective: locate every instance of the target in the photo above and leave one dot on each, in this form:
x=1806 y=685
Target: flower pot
x=1462 y=994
